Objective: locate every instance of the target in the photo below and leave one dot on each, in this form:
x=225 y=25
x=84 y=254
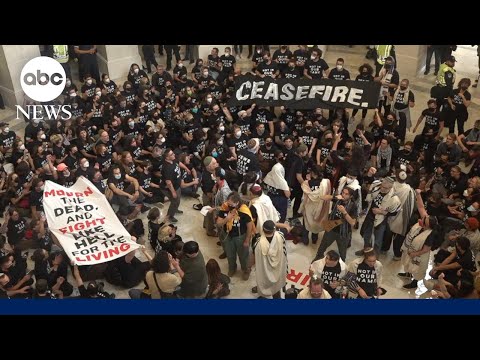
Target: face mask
x=365 y=73
x=205 y=73
x=313 y=57
x=136 y=71
x=291 y=66
x=42 y=187
x=89 y=82
x=43 y=136
x=86 y=164
x=339 y=67
x=259 y=51
x=268 y=145
x=72 y=95
x=131 y=124
x=118 y=177
x=349 y=181
x=308 y=127
x=75 y=106
x=195 y=110
x=221 y=128
x=106 y=81
x=66 y=173
x=464 y=87
x=220 y=143
x=472 y=209
x=68 y=83
x=230 y=207
x=388 y=66
x=238 y=133
x=128 y=88
x=465 y=193
x=214 y=154
x=98 y=93
x=407 y=151
x=7 y=129
x=209 y=100
x=180 y=65
x=162 y=140
x=22 y=147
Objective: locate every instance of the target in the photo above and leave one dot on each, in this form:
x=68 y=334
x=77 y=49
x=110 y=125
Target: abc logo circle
x=43 y=79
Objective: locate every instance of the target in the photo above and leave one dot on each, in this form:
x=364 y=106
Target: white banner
x=84 y=222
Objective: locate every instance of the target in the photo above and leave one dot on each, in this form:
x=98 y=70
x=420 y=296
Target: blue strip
x=240 y=307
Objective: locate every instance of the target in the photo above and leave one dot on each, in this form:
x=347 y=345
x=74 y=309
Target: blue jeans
x=378 y=232
x=281 y=204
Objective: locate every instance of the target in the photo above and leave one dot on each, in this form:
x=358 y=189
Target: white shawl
x=313 y=208
x=399 y=222
x=276 y=178
x=271 y=264
x=414 y=241
x=265 y=211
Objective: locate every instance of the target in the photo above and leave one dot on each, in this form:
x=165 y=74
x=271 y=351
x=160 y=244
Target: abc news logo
x=43 y=79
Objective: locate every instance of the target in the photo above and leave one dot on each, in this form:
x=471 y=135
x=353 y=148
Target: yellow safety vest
x=441 y=74
x=60 y=53
x=383 y=51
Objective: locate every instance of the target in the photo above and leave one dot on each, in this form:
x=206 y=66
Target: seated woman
x=15 y=267
x=364 y=276
x=162 y=281
x=217 y=281
x=189 y=179
x=51 y=267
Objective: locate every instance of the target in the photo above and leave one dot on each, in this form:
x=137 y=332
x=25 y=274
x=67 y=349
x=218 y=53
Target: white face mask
x=259 y=51
x=349 y=181
x=339 y=67
x=136 y=71
x=209 y=100
x=98 y=93
x=220 y=142
x=238 y=133
x=313 y=57
x=36 y=121
x=180 y=65
x=162 y=140
x=472 y=209
x=106 y=81
x=221 y=128
x=43 y=136
x=205 y=73
x=131 y=124
x=66 y=173
x=465 y=193
x=89 y=82
x=86 y=164
x=118 y=177
x=22 y=147
x=72 y=95
x=6 y=130
x=68 y=83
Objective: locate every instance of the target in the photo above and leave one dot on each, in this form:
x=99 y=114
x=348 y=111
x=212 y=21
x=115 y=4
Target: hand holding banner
x=84 y=222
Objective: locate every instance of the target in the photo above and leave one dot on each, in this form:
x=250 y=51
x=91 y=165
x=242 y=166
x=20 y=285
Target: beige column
x=12 y=60
x=410 y=60
x=116 y=60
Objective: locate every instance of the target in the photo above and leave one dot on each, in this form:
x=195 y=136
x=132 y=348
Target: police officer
x=87 y=61
x=445 y=81
x=61 y=54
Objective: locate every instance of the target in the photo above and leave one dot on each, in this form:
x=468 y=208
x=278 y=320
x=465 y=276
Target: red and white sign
x=85 y=224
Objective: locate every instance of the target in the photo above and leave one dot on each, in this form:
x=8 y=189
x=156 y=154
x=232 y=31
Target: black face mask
x=308 y=127
x=388 y=66
x=269 y=238
x=328 y=141
x=230 y=208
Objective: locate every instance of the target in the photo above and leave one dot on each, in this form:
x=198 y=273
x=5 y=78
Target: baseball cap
x=61 y=167
x=451 y=58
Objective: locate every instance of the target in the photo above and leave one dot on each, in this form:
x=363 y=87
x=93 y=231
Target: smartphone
x=30 y=272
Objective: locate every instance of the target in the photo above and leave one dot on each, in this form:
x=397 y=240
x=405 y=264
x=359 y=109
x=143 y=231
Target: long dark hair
x=213 y=272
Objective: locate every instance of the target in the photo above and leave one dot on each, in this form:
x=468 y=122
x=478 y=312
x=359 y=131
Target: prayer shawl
x=222 y=193
x=386 y=76
x=390 y=202
x=265 y=211
x=399 y=223
x=243 y=209
x=276 y=178
x=313 y=208
x=271 y=264
x=405 y=111
x=354 y=185
x=318 y=266
x=414 y=241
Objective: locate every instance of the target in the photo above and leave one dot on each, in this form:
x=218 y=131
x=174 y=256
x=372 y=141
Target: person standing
x=61 y=54
x=169 y=49
x=365 y=74
x=382 y=52
x=87 y=61
x=478 y=77
x=403 y=100
x=171 y=175
x=459 y=101
x=270 y=261
x=433 y=49
x=444 y=82
x=237 y=224
x=149 y=56
x=295 y=177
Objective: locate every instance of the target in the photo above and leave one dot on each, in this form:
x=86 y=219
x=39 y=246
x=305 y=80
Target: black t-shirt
x=245 y=124
x=213 y=62
x=307 y=137
x=466 y=260
x=89 y=173
x=301 y=56
x=208 y=182
x=239 y=144
x=267 y=69
x=330 y=275
x=296 y=167
x=228 y=63
x=261 y=116
x=171 y=172
x=458 y=101
x=457 y=186
x=122 y=112
x=89 y=90
x=399 y=102
x=315 y=69
x=336 y=74
x=16 y=230
x=361 y=77
x=282 y=58
x=36 y=199
x=292 y=73
x=406 y=158
x=432 y=119
x=247 y=161
x=7 y=140
x=239 y=225
x=367 y=279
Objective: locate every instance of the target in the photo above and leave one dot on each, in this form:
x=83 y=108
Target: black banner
x=305 y=93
